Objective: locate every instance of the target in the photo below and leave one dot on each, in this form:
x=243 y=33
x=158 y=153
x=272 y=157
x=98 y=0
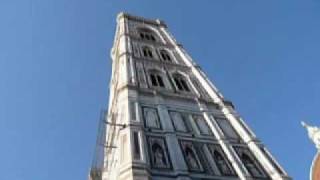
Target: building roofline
x=156 y=22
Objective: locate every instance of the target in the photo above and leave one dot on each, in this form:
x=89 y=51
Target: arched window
x=181 y=83
x=147 y=52
x=147 y=34
x=165 y=55
x=250 y=165
x=156 y=79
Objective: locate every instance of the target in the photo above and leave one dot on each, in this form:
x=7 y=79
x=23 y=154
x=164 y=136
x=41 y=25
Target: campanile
x=167 y=121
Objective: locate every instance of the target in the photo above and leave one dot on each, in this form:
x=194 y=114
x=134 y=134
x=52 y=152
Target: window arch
x=147 y=34
x=147 y=52
x=165 y=55
x=181 y=83
x=156 y=79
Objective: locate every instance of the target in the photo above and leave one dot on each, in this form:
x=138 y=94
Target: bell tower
x=167 y=121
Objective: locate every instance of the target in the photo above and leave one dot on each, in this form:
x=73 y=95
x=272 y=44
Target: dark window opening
x=141 y=35
x=150 y=54
x=153 y=80
x=147 y=52
x=156 y=80
x=178 y=83
x=165 y=56
x=181 y=84
x=168 y=57
x=161 y=84
x=184 y=84
x=146 y=35
x=152 y=38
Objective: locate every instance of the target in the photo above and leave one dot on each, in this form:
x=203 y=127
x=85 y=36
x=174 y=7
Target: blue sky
x=55 y=69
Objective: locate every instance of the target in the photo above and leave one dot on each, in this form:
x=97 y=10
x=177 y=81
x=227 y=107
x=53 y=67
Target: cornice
x=167 y=93
x=156 y=22
x=157 y=43
x=153 y=61
x=167 y=65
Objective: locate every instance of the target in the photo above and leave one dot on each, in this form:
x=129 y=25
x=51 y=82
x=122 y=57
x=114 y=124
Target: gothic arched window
x=147 y=52
x=156 y=79
x=181 y=83
x=165 y=55
x=250 y=165
x=147 y=34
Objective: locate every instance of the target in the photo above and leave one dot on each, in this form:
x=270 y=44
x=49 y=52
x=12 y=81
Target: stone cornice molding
x=156 y=62
x=166 y=93
x=154 y=43
x=156 y=22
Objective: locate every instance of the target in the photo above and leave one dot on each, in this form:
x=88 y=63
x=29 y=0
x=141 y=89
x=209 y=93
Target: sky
x=55 y=69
